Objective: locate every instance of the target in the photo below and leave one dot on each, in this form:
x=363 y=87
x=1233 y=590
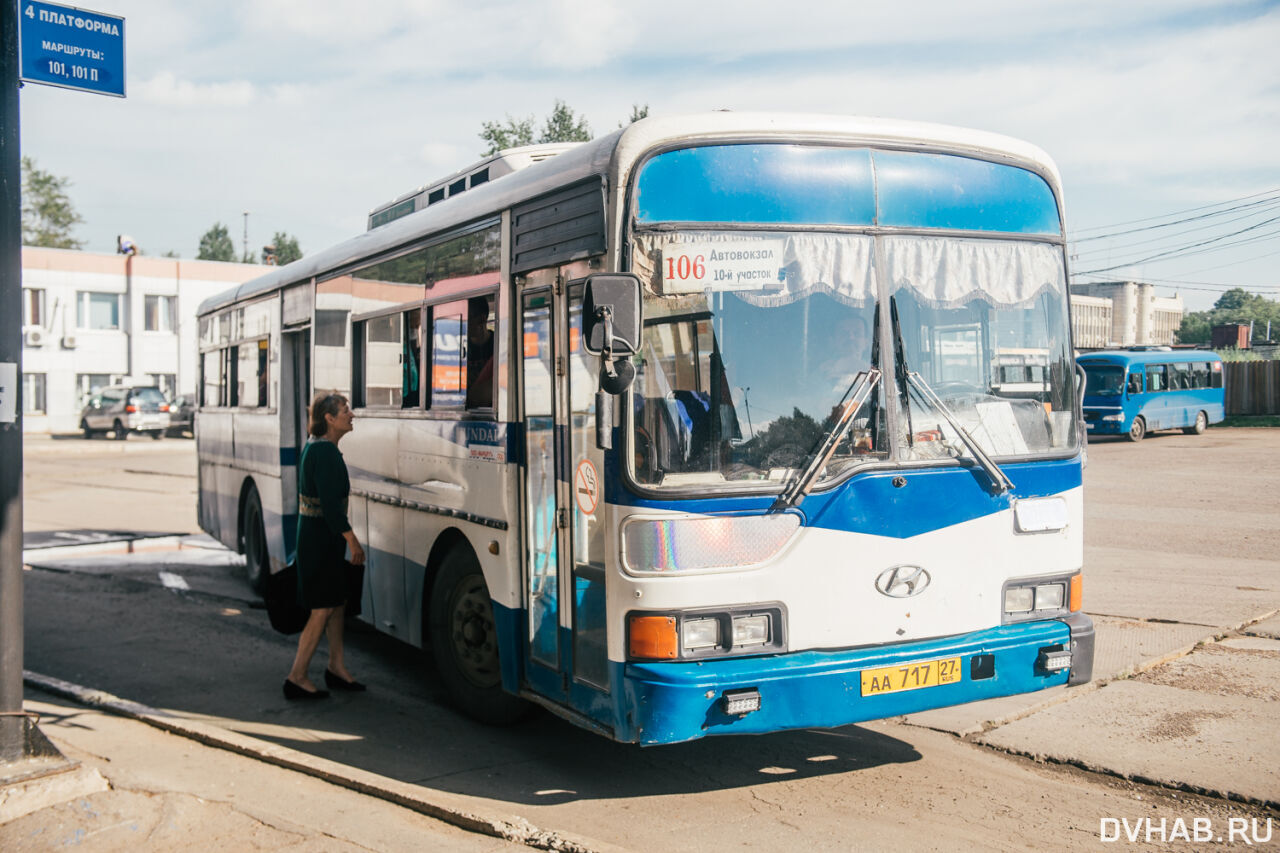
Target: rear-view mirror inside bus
x=617 y=297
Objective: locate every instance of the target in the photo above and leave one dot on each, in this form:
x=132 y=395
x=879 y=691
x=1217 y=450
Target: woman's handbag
x=355 y=588
x=286 y=614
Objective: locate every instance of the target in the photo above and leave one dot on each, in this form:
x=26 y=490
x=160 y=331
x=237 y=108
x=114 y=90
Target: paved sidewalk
x=170 y=793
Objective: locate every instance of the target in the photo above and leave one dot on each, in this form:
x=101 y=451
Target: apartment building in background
x=91 y=320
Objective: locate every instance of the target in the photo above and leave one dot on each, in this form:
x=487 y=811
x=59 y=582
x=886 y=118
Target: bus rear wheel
x=464 y=641
x=253 y=543
x=1201 y=424
x=1138 y=430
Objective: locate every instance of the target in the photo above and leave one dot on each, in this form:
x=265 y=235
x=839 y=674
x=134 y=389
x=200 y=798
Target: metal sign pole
x=12 y=726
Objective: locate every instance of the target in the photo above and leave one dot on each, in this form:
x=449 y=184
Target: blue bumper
x=673 y=702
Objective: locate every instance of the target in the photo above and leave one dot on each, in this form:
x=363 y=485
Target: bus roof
x=613 y=156
x=1147 y=356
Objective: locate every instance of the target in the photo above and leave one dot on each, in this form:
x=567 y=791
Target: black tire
x=157 y=434
x=1138 y=430
x=119 y=430
x=253 y=543
x=84 y=427
x=1201 y=424
x=464 y=641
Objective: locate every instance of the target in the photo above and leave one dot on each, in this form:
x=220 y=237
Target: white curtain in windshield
x=945 y=272
x=764 y=269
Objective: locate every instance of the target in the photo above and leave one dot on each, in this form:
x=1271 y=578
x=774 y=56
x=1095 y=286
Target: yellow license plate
x=910 y=676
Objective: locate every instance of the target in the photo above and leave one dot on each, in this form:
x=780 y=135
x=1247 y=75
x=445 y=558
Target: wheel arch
x=448 y=539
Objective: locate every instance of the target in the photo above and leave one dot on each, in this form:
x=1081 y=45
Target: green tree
x=1235 y=306
x=48 y=216
x=286 y=247
x=512 y=134
x=637 y=112
x=562 y=124
x=216 y=245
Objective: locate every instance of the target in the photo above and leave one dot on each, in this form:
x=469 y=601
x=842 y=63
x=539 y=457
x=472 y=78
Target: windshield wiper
x=998 y=478
x=856 y=395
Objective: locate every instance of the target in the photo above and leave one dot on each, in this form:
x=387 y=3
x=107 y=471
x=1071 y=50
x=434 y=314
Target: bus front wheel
x=1198 y=428
x=1138 y=430
x=464 y=640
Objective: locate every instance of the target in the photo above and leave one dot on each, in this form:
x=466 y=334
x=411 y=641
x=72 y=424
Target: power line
x=1182 y=251
x=1271 y=204
x=1175 y=213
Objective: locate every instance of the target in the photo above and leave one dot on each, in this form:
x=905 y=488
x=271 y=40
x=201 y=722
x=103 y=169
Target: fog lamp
x=1019 y=599
x=750 y=630
x=1049 y=596
x=700 y=634
x=1054 y=658
x=739 y=703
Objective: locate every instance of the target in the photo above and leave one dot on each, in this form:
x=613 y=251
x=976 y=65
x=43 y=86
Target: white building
x=1138 y=316
x=90 y=320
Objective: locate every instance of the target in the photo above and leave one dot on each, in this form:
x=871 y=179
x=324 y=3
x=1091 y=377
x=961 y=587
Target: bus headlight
x=755 y=629
x=1037 y=598
x=700 y=634
x=1113 y=418
x=706 y=543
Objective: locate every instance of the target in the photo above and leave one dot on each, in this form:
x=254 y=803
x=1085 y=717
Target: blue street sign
x=70 y=47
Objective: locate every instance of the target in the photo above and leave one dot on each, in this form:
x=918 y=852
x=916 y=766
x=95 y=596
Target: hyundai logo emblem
x=902 y=581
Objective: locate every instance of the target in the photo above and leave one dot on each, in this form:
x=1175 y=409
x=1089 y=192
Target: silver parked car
x=123 y=409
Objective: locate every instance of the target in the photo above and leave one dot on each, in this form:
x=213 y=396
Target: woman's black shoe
x=337 y=682
x=293 y=691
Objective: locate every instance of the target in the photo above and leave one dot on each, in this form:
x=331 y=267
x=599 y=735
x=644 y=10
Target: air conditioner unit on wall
x=68 y=341
x=34 y=336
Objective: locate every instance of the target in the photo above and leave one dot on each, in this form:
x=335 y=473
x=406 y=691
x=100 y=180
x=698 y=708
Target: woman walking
x=324 y=535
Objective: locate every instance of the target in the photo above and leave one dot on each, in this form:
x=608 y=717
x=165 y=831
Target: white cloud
x=166 y=89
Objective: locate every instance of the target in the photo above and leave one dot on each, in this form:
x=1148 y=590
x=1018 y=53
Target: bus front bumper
x=674 y=702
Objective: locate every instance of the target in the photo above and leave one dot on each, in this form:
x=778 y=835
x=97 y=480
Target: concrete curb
x=455 y=810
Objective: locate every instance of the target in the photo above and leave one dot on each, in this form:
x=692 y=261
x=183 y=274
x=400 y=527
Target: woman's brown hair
x=324 y=404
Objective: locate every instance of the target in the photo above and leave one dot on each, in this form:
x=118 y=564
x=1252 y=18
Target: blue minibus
x=1134 y=392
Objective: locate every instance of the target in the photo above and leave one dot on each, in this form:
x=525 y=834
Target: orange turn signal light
x=1076 y=601
x=653 y=637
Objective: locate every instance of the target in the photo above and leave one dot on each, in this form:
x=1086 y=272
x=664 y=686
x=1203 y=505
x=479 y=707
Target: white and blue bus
x=1134 y=392
x=704 y=427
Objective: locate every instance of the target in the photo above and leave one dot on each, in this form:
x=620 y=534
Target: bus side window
x=1156 y=378
x=1135 y=383
x=480 y=352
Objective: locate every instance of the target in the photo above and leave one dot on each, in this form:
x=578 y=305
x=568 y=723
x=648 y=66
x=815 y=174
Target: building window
x=33 y=394
x=33 y=307
x=167 y=383
x=97 y=310
x=89 y=384
x=158 y=313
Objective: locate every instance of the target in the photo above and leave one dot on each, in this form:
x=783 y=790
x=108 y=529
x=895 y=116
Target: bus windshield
x=752 y=339
x=1103 y=380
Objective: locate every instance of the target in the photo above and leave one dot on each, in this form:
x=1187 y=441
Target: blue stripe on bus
x=931 y=498
x=288 y=456
x=673 y=702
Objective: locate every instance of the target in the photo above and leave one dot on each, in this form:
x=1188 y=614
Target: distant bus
x=891 y=521
x=1134 y=392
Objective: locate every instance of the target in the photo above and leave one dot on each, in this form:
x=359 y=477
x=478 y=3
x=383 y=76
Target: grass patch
x=1250 y=421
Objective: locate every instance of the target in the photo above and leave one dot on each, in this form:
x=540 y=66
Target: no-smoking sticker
x=586 y=487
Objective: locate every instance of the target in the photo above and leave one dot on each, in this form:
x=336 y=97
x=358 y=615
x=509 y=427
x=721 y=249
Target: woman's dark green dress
x=323 y=488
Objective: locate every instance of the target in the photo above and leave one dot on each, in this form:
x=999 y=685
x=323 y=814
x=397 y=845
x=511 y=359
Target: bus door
x=563 y=577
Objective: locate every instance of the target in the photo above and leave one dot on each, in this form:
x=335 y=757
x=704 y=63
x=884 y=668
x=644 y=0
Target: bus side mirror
x=611 y=330
x=611 y=314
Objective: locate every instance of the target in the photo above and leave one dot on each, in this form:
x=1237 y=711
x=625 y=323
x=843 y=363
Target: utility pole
x=244 y=256
x=12 y=722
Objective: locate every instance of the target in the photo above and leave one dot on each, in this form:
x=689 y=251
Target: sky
x=309 y=114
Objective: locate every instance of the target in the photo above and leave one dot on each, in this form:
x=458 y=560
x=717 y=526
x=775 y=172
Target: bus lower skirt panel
x=674 y=702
